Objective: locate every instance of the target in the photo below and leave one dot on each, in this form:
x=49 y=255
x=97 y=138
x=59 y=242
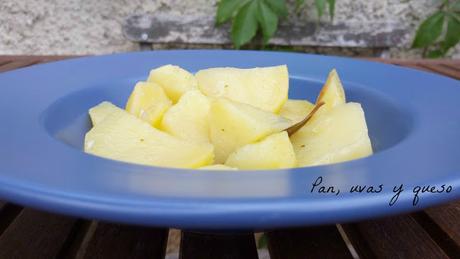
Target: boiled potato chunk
x=335 y=136
x=273 y=152
x=100 y=111
x=332 y=93
x=218 y=167
x=234 y=124
x=296 y=110
x=122 y=136
x=148 y=102
x=174 y=80
x=188 y=119
x=265 y=88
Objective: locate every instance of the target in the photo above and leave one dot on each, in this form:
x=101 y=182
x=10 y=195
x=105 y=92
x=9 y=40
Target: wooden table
x=433 y=233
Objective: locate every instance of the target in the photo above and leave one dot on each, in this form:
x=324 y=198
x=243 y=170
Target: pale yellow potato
x=234 y=124
x=272 y=152
x=218 y=167
x=188 y=119
x=227 y=119
x=296 y=110
x=335 y=136
x=174 y=80
x=148 y=102
x=332 y=93
x=265 y=88
x=122 y=136
x=100 y=111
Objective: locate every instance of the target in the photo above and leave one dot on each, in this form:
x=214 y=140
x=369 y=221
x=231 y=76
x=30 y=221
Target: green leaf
x=429 y=31
x=227 y=8
x=267 y=20
x=320 y=4
x=263 y=241
x=455 y=15
x=435 y=53
x=452 y=34
x=299 y=3
x=331 y=8
x=244 y=25
x=278 y=6
x=455 y=6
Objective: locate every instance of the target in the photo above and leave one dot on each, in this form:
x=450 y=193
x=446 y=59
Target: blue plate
x=413 y=119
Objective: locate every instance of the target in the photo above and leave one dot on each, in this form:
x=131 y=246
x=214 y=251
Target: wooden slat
x=75 y=239
x=451 y=69
x=444 y=67
x=8 y=213
x=448 y=218
x=441 y=70
x=449 y=62
x=123 y=241
x=47 y=59
x=35 y=234
x=6 y=59
x=13 y=62
x=392 y=237
x=18 y=64
x=4 y=62
x=173 y=245
x=313 y=242
x=212 y=245
x=452 y=66
x=35 y=57
x=443 y=225
x=415 y=66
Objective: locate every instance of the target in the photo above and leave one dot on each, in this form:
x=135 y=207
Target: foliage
x=250 y=16
x=435 y=35
x=440 y=31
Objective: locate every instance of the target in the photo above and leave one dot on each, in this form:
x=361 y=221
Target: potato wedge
x=122 y=136
x=335 y=136
x=332 y=93
x=265 y=88
x=99 y=112
x=148 y=102
x=234 y=124
x=296 y=110
x=188 y=119
x=272 y=152
x=174 y=80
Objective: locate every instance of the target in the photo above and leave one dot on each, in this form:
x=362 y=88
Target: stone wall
x=94 y=27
